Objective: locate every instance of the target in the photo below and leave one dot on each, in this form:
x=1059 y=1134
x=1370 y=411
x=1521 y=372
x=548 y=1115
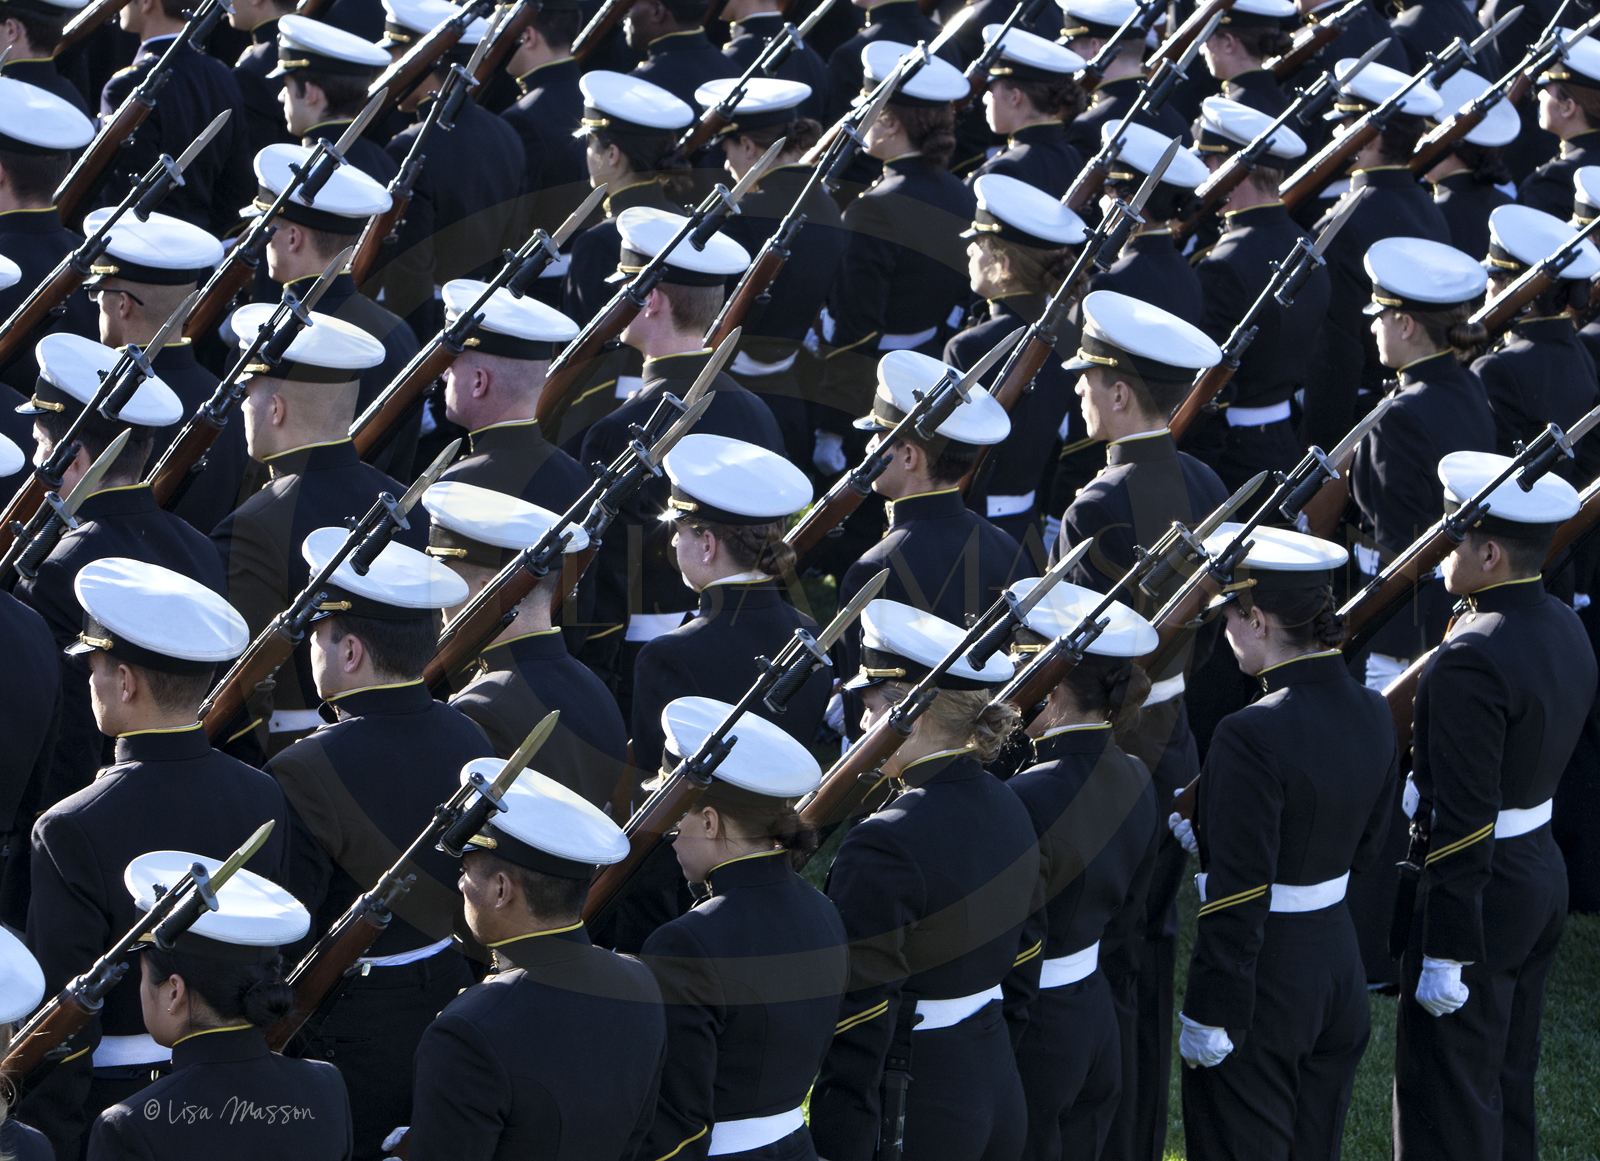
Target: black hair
x=1062 y=97
x=401 y=648
x=558 y=25
x=1262 y=41
x=687 y=12
x=1485 y=161
x=950 y=462
x=1526 y=554
x=753 y=547
x=766 y=818
x=174 y=692
x=1400 y=137
x=97 y=433
x=43 y=32
x=546 y=896
x=35 y=176
x=1309 y=616
x=650 y=156
x=252 y=992
x=1452 y=328
x=347 y=95
x=798 y=135
x=930 y=129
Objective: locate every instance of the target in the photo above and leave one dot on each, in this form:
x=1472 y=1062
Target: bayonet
x=1360 y=430
x=90 y=481
x=847 y=615
x=359 y=126
x=1023 y=605
x=578 y=216
x=320 y=287
x=1234 y=502
x=207 y=135
x=518 y=762
x=1340 y=217
x=428 y=478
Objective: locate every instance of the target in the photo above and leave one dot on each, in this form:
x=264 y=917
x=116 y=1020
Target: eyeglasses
x=96 y=292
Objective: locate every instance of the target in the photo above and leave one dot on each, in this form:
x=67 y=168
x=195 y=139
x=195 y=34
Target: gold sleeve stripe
x=873 y=1013
x=851 y=346
x=1235 y=900
x=1029 y=954
x=704 y=1129
x=1476 y=836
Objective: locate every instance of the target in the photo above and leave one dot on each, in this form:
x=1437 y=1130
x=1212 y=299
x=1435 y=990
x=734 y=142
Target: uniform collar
x=530 y=648
x=1254 y=215
x=686 y=365
x=43 y=220
x=229 y=1045
x=340 y=290
x=1410 y=373
x=123 y=500
x=1025 y=307
x=1383 y=177
x=945 y=766
x=907 y=164
x=541 y=948
x=406 y=697
x=761 y=869
x=1090 y=738
x=177 y=356
x=1546 y=329
x=756 y=24
x=1037 y=132
x=512 y=435
x=1579 y=142
x=266 y=32
x=313 y=457
x=940 y=505
x=1459 y=180
x=645 y=193
x=734 y=597
x=1517 y=594
x=541 y=75
x=686 y=41
x=167 y=745
x=1325 y=665
x=1143 y=448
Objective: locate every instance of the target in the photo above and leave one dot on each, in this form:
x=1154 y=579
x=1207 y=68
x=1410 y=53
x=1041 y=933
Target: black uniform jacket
x=30 y=709
x=515 y=458
x=1151 y=270
x=112 y=522
x=199 y=87
x=263 y=112
x=215 y=492
x=680 y=62
x=627 y=557
x=751 y=979
x=1039 y=155
x=897 y=20
x=1549 y=188
x=37 y=242
x=523 y=680
x=360 y=790
x=1233 y=275
x=317 y=486
x=41 y=72
x=1499 y=709
x=229 y=1095
x=1109 y=106
x=1366 y=30
x=1466 y=205
x=365 y=153
x=929 y=912
x=555 y=176
x=1094 y=810
x=1428 y=26
x=749 y=36
x=595 y=252
x=558 y=1056
x=714 y=655
x=1297 y=789
x=1257 y=88
x=168 y=791
x=1539 y=374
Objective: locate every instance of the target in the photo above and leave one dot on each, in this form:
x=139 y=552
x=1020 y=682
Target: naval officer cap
x=512 y=327
x=10 y=273
x=1259 y=14
x=407 y=21
x=33 y=120
x=936 y=83
x=765 y=762
x=487 y=528
x=163 y=251
x=11 y=462
x=1026 y=57
x=148 y=615
x=1581 y=66
x=646 y=232
x=21 y=980
x=45 y=10
x=330 y=350
x=1374 y=85
x=1521 y=236
x=1278 y=560
x=1142 y=149
x=729 y=481
x=342 y=206
x=1129 y=334
x=619 y=103
x=1530 y=515
x=254 y=917
x=1063 y=609
x=1226 y=126
x=1099 y=19
x=71 y=369
x=1018 y=212
x=401 y=585
x=545 y=827
x=1500 y=125
x=767 y=102
x=1585 y=195
x=316 y=47
x=904 y=375
x=901 y=643
x=1417 y=274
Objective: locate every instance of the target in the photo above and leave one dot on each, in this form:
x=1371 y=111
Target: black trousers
x=372 y=1035
x=1464 y=1083
x=1070 y=1059
x=1284 y=1090
x=965 y=1102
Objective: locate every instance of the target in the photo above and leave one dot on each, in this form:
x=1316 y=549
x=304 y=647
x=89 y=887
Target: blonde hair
x=968 y=717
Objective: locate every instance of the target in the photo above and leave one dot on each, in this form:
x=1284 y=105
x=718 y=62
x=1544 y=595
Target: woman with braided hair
x=1296 y=793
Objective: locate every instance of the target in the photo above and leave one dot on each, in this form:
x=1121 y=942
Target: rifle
x=505 y=35
x=1311 y=40
x=516 y=274
x=238 y=270
x=976 y=74
x=1579 y=527
x=1514 y=86
x=275 y=644
x=781 y=678
x=858 y=119
x=1142 y=20
x=400 y=79
x=495 y=606
x=896 y=1084
x=599 y=26
x=1308 y=105
x=116 y=388
x=46 y=1037
x=56 y=516
x=185 y=457
x=575 y=358
x=931 y=409
x=1153 y=94
x=85 y=21
x=1288 y=277
x=318 y=978
x=90 y=169
x=1387 y=593
x=1502 y=310
x=1192 y=33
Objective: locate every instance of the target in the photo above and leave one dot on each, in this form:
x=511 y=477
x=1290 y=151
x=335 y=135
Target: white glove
x=834 y=714
x=828 y=455
x=1410 y=799
x=1440 y=989
x=395 y=1137
x=1183 y=830
x=1201 y=1045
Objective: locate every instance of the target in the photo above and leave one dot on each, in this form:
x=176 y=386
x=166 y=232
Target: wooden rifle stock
x=1401 y=694
x=1324 y=510
x=822 y=518
x=1206 y=387
x=504 y=43
x=318 y=975
x=1008 y=392
x=849 y=782
x=611 y=12
x=757 y=280
x=418 y=375
x=403 y=76
x=1178 y=43
x=469 y=638
x=193 y=442
x=575 y=361
x=89 y=171
x=18 y=331
x=235 y=276
x=1588 y=515
x=310 y=8
x=86 y=21
x=66 y=1018
x=1088 y=184
x=259 y=662
x=706 y=126
x=1311 y=41
x=380 y=228
x=660 y=813
x=1328 y=164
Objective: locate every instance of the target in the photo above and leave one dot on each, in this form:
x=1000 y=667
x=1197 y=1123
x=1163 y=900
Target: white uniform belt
x=1288 y=897
x=743 y=364
x=1069 y=969
x=905 y=342
x=752 y=1132
x=649 y=626
x=997 y=506
x=293 y=721
x=1255 y=416
x=1511 y=823
x=123 y=1051
x=944 y=1013
x=413 y=956
x=627 y=385
x=1165 y=690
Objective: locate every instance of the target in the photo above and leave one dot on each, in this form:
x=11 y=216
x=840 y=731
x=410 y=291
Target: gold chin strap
x=487 y=842
x=334 y=607
x=1098 y=360
x=683 y=505
x=47 y=405
x=95 y=642
x=432 y=550
x=294 y=64
x=865 y=672
x=1242 y=588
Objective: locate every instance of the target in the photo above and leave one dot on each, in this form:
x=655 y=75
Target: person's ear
x=351 y=653
x=127 y=684
x=656 y=303
x=481 y=381
x=277 y=409
x=711 y=822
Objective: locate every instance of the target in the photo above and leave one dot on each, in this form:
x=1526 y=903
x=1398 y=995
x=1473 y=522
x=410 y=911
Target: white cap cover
x=70 y=372
x=1064 y=607
x=1521 y=236
x=304 y=43
x=1122 y=331
x=1142 y=148
x=767 y=101
x=163 y=251
x=901 y=643
x=403 y=19
x=156 y=617
x=21 y=980
x=1416 y=273
x=628 y=104
x=980 y=421
x=10 y=273
x=1094 y=17
x=545 y=826
x=729 y=481
x=330 y=350
x=1028 y=57
x=512 y=327
x=1278 y=558
x=1500 y=125
x=341 y=206
x=11 y=461
x=1464 y=474
x=402 y=584
x=480 y=525
x=1018 y=212
x=646 y=232
x=255 y=916
x=935 y=83
x=1226 y=124
x=37 y=119
x=764 y=759
x=1374 y=85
